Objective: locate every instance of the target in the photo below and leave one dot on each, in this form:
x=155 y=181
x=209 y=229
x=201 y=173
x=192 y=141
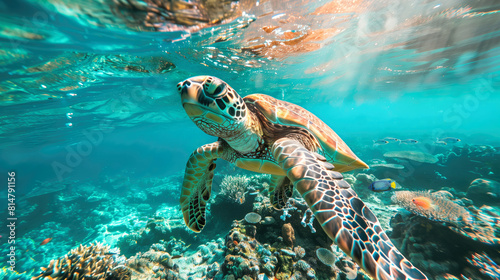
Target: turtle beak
x=190 y=92
x=183 y=86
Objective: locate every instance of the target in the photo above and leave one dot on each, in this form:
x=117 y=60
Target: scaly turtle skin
x=262 y=134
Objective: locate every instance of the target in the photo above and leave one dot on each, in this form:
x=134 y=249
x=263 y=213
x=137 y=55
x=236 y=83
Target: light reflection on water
x=336 y=51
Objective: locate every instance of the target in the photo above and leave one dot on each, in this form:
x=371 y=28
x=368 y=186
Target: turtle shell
x=284 y=113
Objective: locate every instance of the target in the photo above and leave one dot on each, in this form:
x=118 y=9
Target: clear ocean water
x=94 y=139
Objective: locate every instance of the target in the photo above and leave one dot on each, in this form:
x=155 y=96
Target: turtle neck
x=248 y=137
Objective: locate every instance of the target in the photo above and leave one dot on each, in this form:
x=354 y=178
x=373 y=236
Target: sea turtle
x=263 y=134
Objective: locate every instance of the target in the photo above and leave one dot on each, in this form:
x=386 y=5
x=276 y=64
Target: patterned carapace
x=263 y=134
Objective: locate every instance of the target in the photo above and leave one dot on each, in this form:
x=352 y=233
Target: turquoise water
x=92 y=125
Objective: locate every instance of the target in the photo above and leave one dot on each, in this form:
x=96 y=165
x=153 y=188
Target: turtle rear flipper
x=197 y=185
x=342 y=215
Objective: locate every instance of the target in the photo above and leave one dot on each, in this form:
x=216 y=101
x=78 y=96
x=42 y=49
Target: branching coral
x=440 y=209
x=85 y=262
x=96 y=262
x=299 y=204
x=7 y=274
x=234 y=188
x=308 y=215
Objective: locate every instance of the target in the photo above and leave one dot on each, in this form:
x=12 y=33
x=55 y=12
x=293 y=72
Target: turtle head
x=213 y=105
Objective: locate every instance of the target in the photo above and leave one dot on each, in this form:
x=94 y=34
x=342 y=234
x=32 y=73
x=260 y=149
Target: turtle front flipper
x=281 y=190
x=197 y=184
x=341 y=214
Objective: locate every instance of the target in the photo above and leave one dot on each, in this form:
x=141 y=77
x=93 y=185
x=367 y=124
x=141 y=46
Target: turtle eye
x=219 y=89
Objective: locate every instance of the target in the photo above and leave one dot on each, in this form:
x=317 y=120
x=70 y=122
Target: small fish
x=423 y=202
x=176 y=257
x=380 y=142
x=440 y=143
x=391 y=139
x=382 y=185
x=235 y=242
x=449 y=140
x=45 y=241
x=409 y=141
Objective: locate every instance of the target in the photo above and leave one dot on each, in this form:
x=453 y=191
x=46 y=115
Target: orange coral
x=288 y=234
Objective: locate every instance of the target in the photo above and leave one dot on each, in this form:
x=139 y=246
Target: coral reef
x=7 y=274
x=486 y=265
x=441 y=209
x=252 y=218
x=276 y=249
x=326 y=256
x=484 y=191
x=440 y=243
x=476 y=224
x=234 y=187
x=237 y=193
x=436 y=248
x=155 y=230
x=44 y=188
x=387 y=165
x=484 y=225
x=481 y=161
x=288 y=234
x=265 y=242
x=243 y=256
x=152 y=264
x=86 y=262
x=417 y=156
x=97 y=261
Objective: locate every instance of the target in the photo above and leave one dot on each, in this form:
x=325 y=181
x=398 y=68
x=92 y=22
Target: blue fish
x=382 y=185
